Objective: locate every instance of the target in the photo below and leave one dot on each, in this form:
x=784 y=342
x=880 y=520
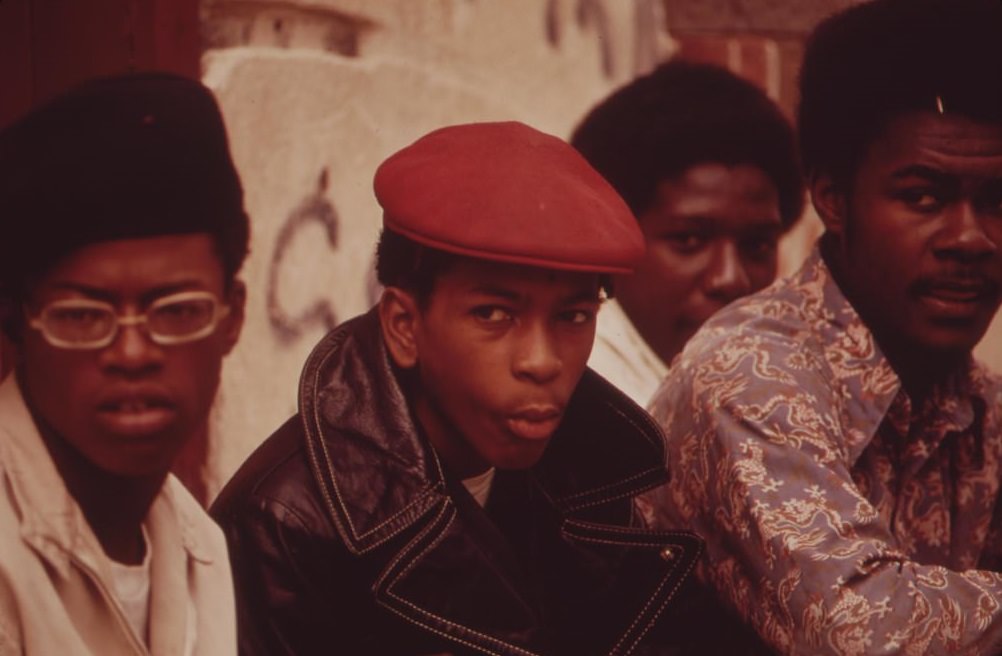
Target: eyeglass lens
x=90 y=323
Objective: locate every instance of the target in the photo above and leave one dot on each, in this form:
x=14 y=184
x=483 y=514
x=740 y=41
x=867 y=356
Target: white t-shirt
x=131 y=586
x=622 y=356
x=479 y=486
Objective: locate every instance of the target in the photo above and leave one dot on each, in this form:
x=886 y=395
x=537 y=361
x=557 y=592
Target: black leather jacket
x=348 y=536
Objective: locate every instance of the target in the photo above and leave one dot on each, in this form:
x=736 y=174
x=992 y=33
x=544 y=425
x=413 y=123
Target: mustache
x=958 y=279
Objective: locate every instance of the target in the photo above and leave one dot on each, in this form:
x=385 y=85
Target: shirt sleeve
x=760 y=470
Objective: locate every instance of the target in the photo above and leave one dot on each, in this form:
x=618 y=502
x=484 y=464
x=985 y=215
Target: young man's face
x=500 y=349
x=711 y=238
x=130 y=406
x=918 y=234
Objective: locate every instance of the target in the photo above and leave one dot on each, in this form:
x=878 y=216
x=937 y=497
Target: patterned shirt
x=838 y=518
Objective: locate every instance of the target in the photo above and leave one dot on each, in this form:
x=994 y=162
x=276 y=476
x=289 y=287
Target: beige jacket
x=55 y=591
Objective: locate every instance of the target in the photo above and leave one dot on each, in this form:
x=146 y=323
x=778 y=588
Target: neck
x=115 y=506
x=461 y=459
x=919 y=369
x=920 y=372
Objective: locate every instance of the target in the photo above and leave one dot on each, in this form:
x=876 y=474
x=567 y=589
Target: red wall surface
x=47 y=46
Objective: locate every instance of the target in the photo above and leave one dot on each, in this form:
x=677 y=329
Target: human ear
x=829 y=200
x=399 y=315
x=234 y=321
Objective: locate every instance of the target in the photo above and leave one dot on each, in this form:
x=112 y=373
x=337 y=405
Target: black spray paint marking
x=314 y=208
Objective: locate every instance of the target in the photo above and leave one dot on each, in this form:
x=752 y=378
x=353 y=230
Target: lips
x=959 y=297
x=136 y=412
x=537 y=422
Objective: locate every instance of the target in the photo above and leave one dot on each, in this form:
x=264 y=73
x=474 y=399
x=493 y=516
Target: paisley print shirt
x=839 y=519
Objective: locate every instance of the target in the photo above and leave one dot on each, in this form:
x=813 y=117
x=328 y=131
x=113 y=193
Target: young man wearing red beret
x=456 y=480
x=122 y=229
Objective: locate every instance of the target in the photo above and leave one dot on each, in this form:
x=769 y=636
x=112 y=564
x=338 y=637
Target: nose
x=536 y=357
x=963 y=237
x=726 y=278
x=132 y=352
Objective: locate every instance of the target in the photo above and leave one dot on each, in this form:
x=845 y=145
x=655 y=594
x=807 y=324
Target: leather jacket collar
x=564 y=570
x=349 y=387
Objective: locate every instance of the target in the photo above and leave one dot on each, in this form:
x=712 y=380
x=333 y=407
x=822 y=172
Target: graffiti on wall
x=592 y=15
x=315 y=208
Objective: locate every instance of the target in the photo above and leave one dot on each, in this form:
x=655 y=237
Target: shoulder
x=988 y=386
x=751 y=351
x=988 y=382
x=758 y=375
x=274 y=485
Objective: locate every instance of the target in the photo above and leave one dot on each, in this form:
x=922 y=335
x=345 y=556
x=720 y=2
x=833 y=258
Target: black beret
x=122 y=157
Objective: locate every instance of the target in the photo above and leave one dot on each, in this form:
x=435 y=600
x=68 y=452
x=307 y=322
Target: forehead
x=736 y=194
x=474 y=276
x=134 y=266
x=948 y=143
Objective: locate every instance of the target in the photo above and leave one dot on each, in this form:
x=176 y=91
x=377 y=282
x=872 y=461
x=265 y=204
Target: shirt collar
x=871 y=388
x=51 y=521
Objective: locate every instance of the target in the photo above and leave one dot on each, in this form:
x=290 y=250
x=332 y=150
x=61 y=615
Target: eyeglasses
x=80 y=323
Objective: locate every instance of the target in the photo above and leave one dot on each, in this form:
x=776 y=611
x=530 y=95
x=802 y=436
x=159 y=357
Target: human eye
x=78 y=321
x=77 y=315
x=760 y=247
x=685 y=241
x=182 y=309
x=991 y=201
x=578 y=317
x=492 y=314
x=922 y=199
x=182 y=316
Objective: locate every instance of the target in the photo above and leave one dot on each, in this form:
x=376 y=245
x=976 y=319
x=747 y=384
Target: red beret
x=509 y=193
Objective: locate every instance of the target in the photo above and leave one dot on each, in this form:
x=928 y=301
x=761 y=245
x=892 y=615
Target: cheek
x=883 y=254
x=455 y=376
x=661 y=283
x=58 y=380
x=761 y=274
x=200 y=369
x=575 y=349
x=669 y=269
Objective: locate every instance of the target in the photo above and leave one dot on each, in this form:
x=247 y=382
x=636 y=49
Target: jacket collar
x=360 y=435
x=51 y=521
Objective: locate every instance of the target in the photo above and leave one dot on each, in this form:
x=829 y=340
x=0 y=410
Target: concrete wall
x=316 y=94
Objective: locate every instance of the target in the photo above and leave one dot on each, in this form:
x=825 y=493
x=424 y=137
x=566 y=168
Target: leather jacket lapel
x=606 y=591
x=443 y=567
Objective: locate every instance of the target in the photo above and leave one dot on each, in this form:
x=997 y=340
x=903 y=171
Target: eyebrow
x=150 y=295
x=147 y=295
x=589 y=296
x=85 y=290
x=920 y=171
x=492 y=290
x=708 y=222
x=584 y=296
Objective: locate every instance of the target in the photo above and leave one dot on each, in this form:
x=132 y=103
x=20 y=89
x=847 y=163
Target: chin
x=955 y=337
